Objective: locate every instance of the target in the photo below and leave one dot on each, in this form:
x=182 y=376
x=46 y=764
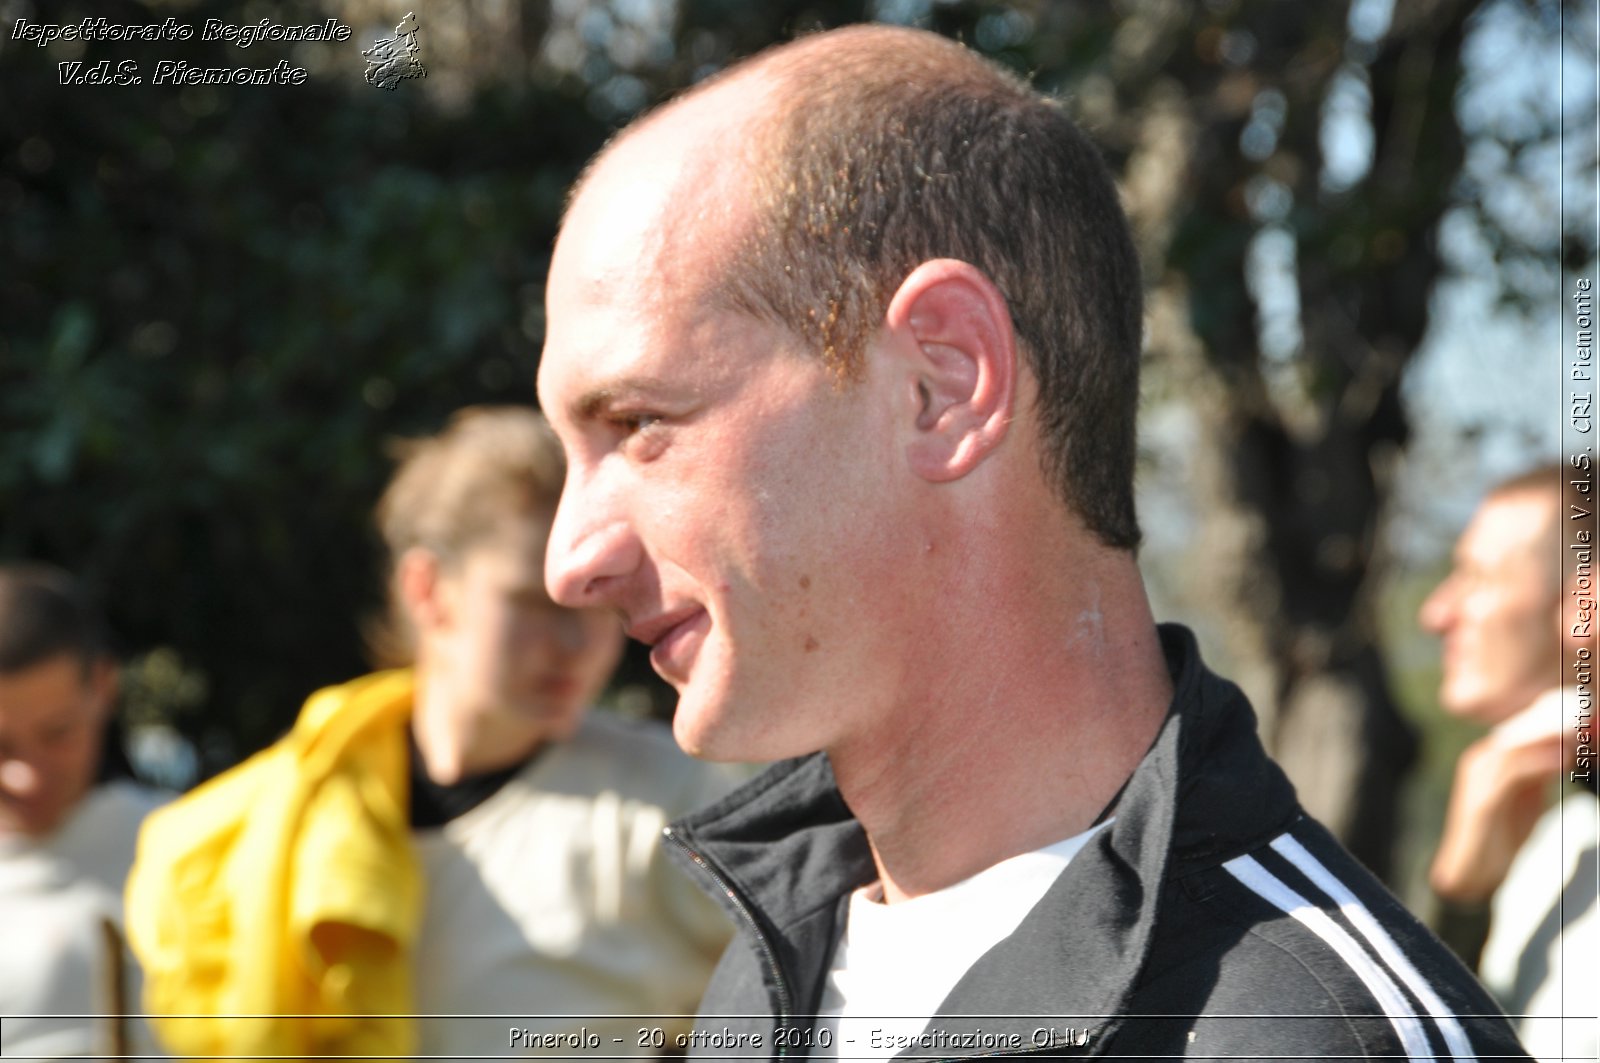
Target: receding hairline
x=783 y=69
x=685 y=168
x=1548 y=478
x=740 y=181
x=1545 y=485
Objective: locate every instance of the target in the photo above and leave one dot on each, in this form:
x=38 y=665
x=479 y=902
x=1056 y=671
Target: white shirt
x=60 y=920
x=1544 y=935
x=895 y=963
x=554 y=904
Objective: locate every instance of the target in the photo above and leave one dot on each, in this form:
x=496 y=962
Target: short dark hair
x=44 y=613
x=893 y=147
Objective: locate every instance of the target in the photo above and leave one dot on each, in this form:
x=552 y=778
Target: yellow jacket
x=288 y=886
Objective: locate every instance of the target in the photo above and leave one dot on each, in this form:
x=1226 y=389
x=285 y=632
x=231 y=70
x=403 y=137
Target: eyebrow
x=601 y=398
x=591 y=403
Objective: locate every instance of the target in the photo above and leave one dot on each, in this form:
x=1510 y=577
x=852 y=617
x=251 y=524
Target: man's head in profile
x=842 y=346
x=1499 y=609
x=57 y=685
x=1499 y=613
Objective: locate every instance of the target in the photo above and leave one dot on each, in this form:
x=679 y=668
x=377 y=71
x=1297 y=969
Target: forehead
x=1508 y=530
x=645 y=245
x=44 y=693
x=604 y=281
x=516 y=543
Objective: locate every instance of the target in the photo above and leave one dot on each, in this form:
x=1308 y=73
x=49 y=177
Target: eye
x=633 y=423
x=641 y=434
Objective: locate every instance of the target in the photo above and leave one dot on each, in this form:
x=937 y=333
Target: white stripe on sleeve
x=1250 y=872
x=1365 y=922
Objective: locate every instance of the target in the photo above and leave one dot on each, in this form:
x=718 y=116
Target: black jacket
x=1213 y=918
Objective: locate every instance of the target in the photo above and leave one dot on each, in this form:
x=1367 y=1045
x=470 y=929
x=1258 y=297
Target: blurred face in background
x=1499 y=609
x=52 y=719
x=502 y=646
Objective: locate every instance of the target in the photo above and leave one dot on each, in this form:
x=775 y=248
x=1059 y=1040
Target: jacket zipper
x=765 y=945
x=771 y=956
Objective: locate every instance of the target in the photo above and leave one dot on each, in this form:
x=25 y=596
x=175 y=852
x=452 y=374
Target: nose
x=1438 y=608
x=19 y=778
x=593 y=549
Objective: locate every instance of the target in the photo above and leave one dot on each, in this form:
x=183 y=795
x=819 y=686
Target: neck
x=457 y=739
x=1023 y=730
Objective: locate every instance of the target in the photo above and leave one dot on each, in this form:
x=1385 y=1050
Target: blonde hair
x=452 y=490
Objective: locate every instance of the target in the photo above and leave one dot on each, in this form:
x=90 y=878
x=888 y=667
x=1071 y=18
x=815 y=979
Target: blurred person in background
x=456 y=837
x=1505 y=848
x=69 y=813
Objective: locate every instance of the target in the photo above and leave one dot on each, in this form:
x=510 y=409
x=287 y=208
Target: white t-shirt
x=1544 y=935
x=60 y=921
x=554 y=905
x=895 y=963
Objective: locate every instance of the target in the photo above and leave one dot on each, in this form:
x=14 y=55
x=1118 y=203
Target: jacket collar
x=788 y=849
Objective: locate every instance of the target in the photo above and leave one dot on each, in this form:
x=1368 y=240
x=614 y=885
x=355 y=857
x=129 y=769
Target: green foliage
x=218 y=304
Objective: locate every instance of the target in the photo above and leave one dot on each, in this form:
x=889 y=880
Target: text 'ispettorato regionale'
x=170 y=30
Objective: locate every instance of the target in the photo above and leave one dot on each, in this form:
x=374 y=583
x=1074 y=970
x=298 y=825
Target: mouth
x=674 y=639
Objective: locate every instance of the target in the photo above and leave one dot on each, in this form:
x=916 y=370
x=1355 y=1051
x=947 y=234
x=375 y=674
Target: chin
x=714 y=734
x=690 y=738
x=703 y=732
x=1472 y=706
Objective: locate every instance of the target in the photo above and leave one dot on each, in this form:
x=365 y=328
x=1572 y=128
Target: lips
x=674 y=639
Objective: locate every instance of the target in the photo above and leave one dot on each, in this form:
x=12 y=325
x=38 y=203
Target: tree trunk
x=1294 y=449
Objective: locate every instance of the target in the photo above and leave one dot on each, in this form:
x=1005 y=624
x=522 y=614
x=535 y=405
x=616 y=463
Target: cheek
x=1511 y=635
x=68 y=765
x=797 y=500
x=1490 y=610
x=1512 y=618
x=85 y=756
x=494 y=645
x=524 y=642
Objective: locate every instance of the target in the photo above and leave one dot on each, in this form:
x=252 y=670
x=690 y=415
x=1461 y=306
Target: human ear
x=952 y=330
x=420 y=582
